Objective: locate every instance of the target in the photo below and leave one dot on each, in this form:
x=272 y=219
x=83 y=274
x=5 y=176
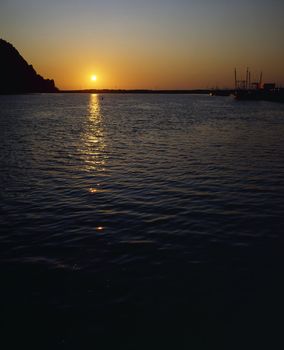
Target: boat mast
x=247 y=74
x=260 y=80
x=249 y=81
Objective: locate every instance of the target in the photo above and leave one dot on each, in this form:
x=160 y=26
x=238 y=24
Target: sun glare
x=93 y=77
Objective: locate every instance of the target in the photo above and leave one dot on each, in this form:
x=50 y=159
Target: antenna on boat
x=249 y=83
x=247 y=74
x=235 y=78
x=260 y=80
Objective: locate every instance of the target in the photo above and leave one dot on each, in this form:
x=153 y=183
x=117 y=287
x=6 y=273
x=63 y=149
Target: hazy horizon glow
x=157 y=44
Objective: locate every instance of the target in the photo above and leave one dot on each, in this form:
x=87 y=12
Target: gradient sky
x=156 y=44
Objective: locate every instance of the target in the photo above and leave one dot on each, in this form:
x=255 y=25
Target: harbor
x=248 y=90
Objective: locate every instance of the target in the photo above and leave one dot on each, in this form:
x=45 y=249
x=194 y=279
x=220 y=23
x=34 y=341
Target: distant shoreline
x=137 y=91
x=221 y=92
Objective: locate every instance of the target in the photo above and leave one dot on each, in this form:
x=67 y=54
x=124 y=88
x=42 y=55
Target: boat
x=245 y=90
x=218 y=92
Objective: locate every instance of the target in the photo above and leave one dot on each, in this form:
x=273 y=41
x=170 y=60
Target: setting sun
x=93 y=77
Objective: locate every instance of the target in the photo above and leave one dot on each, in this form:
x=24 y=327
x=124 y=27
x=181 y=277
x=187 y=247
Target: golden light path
x=93 y=149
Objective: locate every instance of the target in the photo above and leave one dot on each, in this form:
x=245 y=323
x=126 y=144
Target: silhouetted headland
x=17 y=76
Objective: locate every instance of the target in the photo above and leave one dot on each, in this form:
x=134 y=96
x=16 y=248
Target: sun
x=93 y=77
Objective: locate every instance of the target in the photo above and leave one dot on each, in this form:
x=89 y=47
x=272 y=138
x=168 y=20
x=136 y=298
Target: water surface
x=142 y=220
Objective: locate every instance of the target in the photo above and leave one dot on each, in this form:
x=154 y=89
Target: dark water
x=141 y=222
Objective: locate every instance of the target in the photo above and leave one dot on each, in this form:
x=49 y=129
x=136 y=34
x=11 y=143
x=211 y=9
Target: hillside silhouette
x=17 y=76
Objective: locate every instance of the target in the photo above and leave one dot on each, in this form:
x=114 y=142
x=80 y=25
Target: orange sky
x=155 y=44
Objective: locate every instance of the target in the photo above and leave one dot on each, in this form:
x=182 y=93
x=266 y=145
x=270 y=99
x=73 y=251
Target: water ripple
x=83 y=178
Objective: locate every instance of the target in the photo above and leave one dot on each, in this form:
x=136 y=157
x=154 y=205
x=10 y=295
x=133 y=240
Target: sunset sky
x=155 y=44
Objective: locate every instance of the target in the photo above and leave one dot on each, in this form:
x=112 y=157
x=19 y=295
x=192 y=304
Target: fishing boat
x=256 y=91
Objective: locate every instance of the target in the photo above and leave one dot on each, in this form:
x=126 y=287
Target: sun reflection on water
x=94 y=153
x=94 y=143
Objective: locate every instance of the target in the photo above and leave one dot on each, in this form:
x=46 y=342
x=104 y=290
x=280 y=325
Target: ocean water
x=141 y=221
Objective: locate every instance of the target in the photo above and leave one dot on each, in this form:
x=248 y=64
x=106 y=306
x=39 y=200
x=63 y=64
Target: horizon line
x=177 y=91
